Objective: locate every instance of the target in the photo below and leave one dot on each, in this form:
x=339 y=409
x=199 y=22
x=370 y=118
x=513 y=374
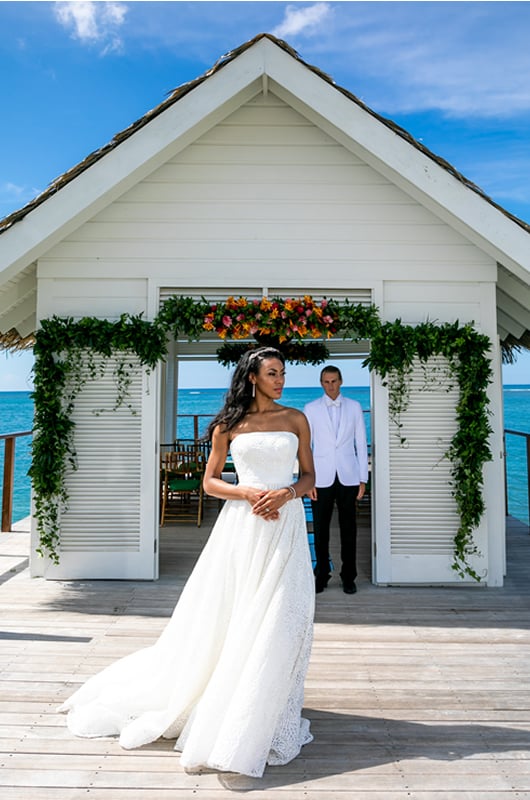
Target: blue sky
x=455 y=75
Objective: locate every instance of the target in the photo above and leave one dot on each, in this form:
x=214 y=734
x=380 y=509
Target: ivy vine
x=66 y=357
x=392 y=352
x=68 y=353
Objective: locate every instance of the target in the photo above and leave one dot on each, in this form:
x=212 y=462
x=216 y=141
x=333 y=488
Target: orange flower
x=265 y=304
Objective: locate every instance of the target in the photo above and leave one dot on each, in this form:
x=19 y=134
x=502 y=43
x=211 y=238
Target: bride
x=226 y=677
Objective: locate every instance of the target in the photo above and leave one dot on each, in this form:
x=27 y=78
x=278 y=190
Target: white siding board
x=74 y=297
x=261 y=248
x=420 y=311
x=210 y=211
x=277 y=113
x=266 y=152
x=418 y=301
x=309 y=192
x=213 y=174
x=230 y=228
x=281 y=271
x=440 y=291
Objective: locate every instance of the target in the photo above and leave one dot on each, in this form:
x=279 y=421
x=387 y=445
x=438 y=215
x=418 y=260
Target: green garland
x=67 y=355
x=295 y=352
x=65 y=359
x=393 y=350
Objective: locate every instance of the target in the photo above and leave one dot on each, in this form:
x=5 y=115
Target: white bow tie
x=330 y=402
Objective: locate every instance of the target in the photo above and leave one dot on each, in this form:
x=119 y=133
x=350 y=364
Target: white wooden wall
x=267 y=199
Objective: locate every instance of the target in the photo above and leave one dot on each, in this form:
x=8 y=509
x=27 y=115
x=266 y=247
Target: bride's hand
x=268 y=503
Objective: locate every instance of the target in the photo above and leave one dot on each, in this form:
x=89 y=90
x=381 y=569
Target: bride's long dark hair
x=239 y=395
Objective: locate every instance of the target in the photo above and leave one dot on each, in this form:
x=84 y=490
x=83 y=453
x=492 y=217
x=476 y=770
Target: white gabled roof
x=260 y=64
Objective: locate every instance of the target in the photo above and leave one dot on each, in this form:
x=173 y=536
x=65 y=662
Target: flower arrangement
x=276 y=319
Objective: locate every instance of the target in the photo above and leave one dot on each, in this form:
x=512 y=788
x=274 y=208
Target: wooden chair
x=182 y=496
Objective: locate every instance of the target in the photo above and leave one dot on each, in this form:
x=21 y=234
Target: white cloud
x=16 y=375
x=8 y=189
x=463 y=59
x=301 y=20
x=13 y=196
x=93 y=22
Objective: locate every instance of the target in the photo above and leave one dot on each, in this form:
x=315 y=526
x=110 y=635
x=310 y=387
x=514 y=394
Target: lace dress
x=226 y=677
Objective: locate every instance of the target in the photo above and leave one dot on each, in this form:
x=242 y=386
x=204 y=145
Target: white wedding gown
x=226 y=677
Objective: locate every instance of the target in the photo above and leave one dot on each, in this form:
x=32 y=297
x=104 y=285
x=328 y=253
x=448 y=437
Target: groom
x=340 y=454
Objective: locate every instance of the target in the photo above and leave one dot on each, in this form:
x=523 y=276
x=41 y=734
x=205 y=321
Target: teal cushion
x=183 y=484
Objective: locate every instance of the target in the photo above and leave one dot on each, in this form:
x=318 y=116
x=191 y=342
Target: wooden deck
x=413 y=694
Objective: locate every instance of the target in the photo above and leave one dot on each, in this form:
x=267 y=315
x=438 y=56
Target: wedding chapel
x=263 y=178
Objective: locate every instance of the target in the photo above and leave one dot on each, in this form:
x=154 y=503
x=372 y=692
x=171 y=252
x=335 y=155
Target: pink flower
x=227 y=321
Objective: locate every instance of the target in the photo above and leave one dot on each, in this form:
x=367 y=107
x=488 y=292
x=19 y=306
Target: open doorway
x=201 y=386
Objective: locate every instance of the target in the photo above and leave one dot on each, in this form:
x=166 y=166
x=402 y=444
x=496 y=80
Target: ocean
x=16 y=414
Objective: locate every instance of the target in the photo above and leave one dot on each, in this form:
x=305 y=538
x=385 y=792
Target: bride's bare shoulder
x=294 y=419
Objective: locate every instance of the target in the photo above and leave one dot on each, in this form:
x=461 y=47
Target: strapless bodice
x=265 y=459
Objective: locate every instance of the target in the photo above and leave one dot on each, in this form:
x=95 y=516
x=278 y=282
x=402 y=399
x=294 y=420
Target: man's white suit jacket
x=344 y=454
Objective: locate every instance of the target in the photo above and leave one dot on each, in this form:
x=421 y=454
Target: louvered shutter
x=423 y=516
x=102 y=534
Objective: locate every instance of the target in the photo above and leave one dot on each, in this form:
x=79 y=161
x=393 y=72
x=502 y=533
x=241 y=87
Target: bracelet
x=292 y=490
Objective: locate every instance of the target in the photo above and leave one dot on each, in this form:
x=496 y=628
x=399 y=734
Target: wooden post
x=528 y=473
x=9 y=473
x=505 y=475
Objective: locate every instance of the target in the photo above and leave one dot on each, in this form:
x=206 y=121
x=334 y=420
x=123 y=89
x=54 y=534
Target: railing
x=9 y=475
x=527 y=437
x=195 y=418
x=9 y=466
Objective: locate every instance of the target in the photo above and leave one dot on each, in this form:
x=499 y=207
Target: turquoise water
x=16 y=414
